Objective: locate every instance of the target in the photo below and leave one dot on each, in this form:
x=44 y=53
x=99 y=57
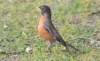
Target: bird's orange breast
x=42 y=31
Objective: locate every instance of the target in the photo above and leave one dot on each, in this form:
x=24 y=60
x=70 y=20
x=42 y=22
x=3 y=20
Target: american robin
x=47 y=30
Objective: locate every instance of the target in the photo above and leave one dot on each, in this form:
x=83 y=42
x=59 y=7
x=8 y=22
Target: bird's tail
x=67 y=44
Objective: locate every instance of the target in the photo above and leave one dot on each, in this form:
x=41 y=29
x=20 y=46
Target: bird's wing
x=48 y=28
x=54 y=33
x=51 y=29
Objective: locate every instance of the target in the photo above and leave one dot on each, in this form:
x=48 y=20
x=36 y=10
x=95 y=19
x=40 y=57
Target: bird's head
x=45 y=9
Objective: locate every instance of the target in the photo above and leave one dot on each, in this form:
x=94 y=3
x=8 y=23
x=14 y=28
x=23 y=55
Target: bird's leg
x=49 y=48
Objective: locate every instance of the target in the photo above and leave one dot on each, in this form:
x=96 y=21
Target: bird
x=47 y=30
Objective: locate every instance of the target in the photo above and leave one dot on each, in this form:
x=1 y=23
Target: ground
x=78 y=22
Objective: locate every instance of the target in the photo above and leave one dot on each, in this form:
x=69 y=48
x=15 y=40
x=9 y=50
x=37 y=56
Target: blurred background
x=78 y=22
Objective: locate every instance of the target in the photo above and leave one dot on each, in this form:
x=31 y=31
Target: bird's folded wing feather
x=53 y=32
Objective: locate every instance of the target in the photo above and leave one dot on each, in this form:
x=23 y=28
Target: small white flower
x=28 y=49
x=64 y=48
x=5 y=26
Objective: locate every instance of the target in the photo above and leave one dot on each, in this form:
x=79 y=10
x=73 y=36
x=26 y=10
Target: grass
x=73 y=19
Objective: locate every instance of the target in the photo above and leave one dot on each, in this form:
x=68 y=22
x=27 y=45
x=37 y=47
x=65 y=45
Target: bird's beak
x=38 y=8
